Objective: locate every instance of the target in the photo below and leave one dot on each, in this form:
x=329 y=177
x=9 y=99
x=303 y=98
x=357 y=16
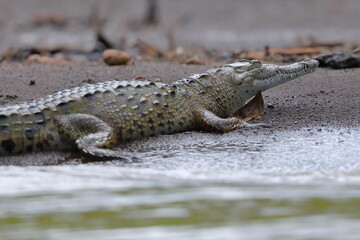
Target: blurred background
x=227 y=25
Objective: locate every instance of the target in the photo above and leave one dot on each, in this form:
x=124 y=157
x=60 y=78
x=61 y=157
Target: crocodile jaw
x=268 y=75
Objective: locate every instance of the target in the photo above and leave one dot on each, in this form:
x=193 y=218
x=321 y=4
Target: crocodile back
x=134 y=109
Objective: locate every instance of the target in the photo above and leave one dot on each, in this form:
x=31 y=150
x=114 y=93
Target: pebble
x=194 y=61
x=115 y=57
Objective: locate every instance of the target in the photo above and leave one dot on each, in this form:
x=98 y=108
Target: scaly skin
x=96 y=117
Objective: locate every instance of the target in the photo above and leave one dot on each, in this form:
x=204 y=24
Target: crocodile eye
x=240 y=66
x=255 y=64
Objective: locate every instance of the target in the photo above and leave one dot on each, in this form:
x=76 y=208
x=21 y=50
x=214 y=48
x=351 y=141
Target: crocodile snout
x=310 y=63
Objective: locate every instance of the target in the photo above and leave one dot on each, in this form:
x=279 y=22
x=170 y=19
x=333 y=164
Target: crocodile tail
x=20 y=129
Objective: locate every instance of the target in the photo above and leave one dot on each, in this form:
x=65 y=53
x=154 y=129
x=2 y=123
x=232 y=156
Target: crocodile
x=96 y=118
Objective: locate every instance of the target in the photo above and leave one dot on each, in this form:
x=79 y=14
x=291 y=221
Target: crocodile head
x=252 y=77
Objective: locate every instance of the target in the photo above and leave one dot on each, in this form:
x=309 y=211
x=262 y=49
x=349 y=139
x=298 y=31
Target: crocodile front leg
x=93 y=137
x=225 y=124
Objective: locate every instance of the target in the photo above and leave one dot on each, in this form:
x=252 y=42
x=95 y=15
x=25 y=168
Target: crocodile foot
x=92 y=136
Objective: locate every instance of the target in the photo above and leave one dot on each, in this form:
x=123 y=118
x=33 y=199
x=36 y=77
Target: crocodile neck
x=214 y=91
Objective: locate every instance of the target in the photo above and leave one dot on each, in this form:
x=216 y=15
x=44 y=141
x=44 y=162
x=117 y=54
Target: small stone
x=194 y=61
x=32 y=82
x=270 y=106
x=140 y=78
x=115 y=57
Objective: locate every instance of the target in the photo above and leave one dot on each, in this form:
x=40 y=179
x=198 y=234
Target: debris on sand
x=338 y=60
x=193 y=61
x=148 y=49
x=294 y=51
x=121 y=51
x=279 y=54
x=4 y=99
x=47 y=60
x=115 y=57
x=140 y=78
x=32 y=82
x=20 y=54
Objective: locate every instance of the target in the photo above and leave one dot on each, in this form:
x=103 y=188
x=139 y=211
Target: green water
x=290 y=186
x=207 y=211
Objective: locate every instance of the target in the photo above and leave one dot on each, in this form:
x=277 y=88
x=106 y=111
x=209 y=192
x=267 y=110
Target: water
x=302 y=184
